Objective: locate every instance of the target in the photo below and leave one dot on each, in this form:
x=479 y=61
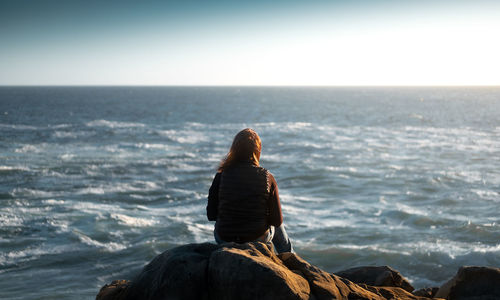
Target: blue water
x=96 y=181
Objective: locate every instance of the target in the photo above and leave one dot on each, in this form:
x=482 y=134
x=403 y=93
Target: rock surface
x=254 y=271
x=426 y=292
x=377 y=276
x=115 y=290
x=472 y=283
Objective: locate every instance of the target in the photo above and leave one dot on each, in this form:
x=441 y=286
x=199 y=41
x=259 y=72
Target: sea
x=97 y=181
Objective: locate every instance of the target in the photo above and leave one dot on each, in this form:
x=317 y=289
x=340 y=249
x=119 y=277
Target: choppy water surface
x=94 y=182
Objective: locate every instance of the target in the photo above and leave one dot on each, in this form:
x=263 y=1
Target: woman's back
x=243 y=202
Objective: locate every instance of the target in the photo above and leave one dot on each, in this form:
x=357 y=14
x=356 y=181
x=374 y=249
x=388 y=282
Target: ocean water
x=96 y=181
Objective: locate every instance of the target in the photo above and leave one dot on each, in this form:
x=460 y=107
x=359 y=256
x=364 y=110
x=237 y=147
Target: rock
x=472 y=283
x=179 y=273
x=426 y=292
x=239 y=271
x=377 y=276
x=390 y=292
x=253 y=271
x=330 y=286
x=114 y=291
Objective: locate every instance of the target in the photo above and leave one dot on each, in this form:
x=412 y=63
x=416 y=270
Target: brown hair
x=246 y=147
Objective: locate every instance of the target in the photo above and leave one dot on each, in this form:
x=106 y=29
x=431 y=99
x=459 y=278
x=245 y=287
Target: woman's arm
x=213 y=198
x=275 y=217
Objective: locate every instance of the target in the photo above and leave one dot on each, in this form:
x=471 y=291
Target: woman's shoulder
x=268 y=173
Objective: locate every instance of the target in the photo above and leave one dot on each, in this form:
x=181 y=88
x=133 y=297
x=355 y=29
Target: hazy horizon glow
x=225 y=43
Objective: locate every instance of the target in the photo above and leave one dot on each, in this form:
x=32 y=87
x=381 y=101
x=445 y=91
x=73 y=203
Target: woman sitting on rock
x=243 y=198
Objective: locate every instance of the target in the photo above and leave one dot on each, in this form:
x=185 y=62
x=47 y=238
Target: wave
x=113 y=124
x=453 y=249
x=31 y=127
x=185 y=136
x=67 y=156
x=14 y=168
x=133 y=221
x=487 y=194
x=54 y=202
x=71 y=134
x=200 y=232
x=283 y=126
x=17 y=126
x=29 y=148
x=27 y=192
x=33 y=253
x=186 y=193
x=136 y=186
x=110 y=246
x=60 y=126
x=92 y=208
x=60 y=225
x=10 y=220
x=154 y=146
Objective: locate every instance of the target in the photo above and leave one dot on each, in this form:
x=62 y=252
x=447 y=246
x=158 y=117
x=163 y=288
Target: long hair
x=246 y=147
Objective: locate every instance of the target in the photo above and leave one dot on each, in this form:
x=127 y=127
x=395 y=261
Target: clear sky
x=213 y=42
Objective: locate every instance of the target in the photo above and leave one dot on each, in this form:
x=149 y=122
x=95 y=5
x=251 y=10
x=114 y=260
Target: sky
x=338 y=43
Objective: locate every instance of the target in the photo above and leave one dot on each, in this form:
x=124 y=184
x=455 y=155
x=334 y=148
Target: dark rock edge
x=255 y=271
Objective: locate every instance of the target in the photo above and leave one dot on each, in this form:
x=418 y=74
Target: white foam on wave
x=181 y=213
x=30 y=149
x=395 y=167
x=67 y=156
x=70 y=134
x=10 y=219
x=296 y=126
x=281 y=126
x=18 y=126
x=142 y=207
x=95 y=208
x=341 y=169
x=26 y=192
x=186 y=167
x=60 y=225
x=54 y=202
x=200 y=231
x=164 y=147
x=411 y=210
x=110 y=247
x=465 y=131
x=487 y=194
x=308 y=144
x=278 y=158
x=133 y=221
x=60 y=126
x=416 y=116
x=33 y=253
x=170 y=178
x=467 y=176
x=375 y=247
x=185 y=136
x=14 y=168
x=113 y=124
x=136 y=186
x=292 y=198
x=459 y=139
x=449 y=247
x=187 y=193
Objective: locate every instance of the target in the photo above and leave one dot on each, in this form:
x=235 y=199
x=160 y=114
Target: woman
x=243 y=198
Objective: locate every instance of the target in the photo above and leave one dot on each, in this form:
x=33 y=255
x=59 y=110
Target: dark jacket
x=244 y=202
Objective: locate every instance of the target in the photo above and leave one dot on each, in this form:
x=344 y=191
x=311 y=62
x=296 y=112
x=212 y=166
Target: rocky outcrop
x=377 y=276
x=429 y=292
x=117 y=289
x=472 y=283
x=254 y=271
x=329 y=286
